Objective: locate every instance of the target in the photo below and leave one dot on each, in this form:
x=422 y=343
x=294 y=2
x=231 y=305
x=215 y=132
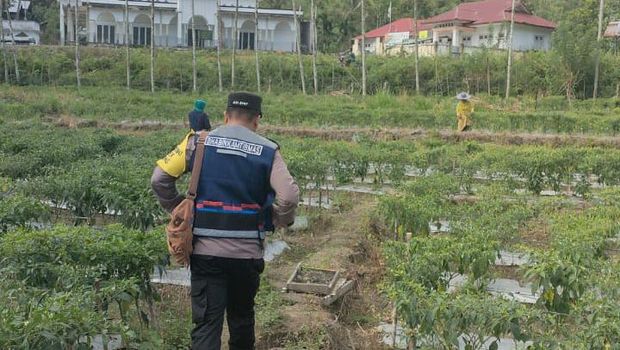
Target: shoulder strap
x=198 y=156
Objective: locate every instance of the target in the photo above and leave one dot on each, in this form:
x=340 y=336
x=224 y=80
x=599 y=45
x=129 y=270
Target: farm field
x=473 y=242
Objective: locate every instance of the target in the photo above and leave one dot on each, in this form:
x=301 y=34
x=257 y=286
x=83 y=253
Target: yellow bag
x=179 y=230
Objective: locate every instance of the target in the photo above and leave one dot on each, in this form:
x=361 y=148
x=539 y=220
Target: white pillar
x=435 y=36
x=62 y=24
x=456 y=37
x=179 y=24
x=70 y=25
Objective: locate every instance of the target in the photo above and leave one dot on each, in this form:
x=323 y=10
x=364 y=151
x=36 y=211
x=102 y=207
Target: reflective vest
x=234 y=195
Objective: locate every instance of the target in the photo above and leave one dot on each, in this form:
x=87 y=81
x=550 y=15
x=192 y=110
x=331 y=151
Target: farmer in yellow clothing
x=464 y=110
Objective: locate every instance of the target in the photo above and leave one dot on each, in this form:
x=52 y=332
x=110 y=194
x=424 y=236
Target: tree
x=76 y=38
x=363 y=51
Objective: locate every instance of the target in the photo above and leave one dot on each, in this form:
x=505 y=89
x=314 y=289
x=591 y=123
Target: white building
x=487 y=24
x=103 y=22
x=25 y=31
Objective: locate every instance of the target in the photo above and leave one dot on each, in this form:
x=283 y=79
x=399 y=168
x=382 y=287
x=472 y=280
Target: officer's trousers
x=218 y=285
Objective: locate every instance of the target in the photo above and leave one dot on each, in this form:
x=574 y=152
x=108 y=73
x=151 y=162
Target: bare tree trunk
x=234 y=45
x=14 y=48
x=417 y=54
x=219 y=47
x=127 y=44
x=313 y=11
x=6 y=67
x=256 y=45
x=76 y=37
x=298 y=46
x=597 y=65
x=152 y=46
x=509 y=70
x=363 y=51
x=194 y=75
x=488 y=75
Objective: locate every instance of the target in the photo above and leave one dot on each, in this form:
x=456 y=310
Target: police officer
x=244 y=187
x=198 y=119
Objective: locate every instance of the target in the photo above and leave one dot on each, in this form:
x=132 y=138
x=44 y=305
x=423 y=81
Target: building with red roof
x=487 y=24
x=466 y=27
x=378 y=40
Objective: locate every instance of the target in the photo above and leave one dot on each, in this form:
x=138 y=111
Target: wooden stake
x=417 y=56
x=509 y=70
x=153 y=46
x=235 y=40
x=194 y=75
x=127 y=44
x=313 y=11
x=6 y=67
x=219 y=46
x=298 y=45
x=599 y=36
x=13 y=49
x=256 y=45
x=77 y=48
x=363 y=51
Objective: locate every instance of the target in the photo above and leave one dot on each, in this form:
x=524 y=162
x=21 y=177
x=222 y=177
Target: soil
x=334 y=241
x=386 y=134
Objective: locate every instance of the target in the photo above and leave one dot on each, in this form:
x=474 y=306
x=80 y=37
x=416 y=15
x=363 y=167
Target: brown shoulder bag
x=179 y=229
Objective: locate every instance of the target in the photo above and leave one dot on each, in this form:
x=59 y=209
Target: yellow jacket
x=464 y=110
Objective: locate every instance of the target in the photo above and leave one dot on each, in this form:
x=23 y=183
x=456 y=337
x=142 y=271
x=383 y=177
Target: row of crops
x=572 y=271
x=72 y=283
x=96 y=172
x=547 y=115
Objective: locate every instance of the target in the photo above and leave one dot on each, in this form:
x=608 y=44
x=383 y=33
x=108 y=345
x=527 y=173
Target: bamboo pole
x=6 y=67
x=509 y=69
x=128 y=60
x=77 y=48
x=417 y=55
x=298 y=46
x=313 y=11
x=597 y=66
x=256 y=45
x=363 y=51
x=234 y=46
x=194 y=75
x=152 y=46
x=219 y=46
x=14 y=48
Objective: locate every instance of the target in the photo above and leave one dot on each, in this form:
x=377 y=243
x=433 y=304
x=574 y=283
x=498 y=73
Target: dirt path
x=385 y=134
x=336 y=240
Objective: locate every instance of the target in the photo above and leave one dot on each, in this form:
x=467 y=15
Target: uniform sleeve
x=175 y=164
x=287 y=193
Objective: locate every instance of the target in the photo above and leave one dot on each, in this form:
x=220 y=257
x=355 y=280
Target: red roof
x=491 y=11
x=398 y=26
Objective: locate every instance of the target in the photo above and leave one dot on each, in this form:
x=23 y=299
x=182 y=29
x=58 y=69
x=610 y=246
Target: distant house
x=466 y=28
x=613 y=30
x=487 y=24
x=381 y=40
x=25 y=31
x=103 y=22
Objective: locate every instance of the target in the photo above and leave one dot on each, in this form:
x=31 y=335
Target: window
x=141 y=36
x=246 y=41
x=539 y=38
x=105 y=34
x=204 y=37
